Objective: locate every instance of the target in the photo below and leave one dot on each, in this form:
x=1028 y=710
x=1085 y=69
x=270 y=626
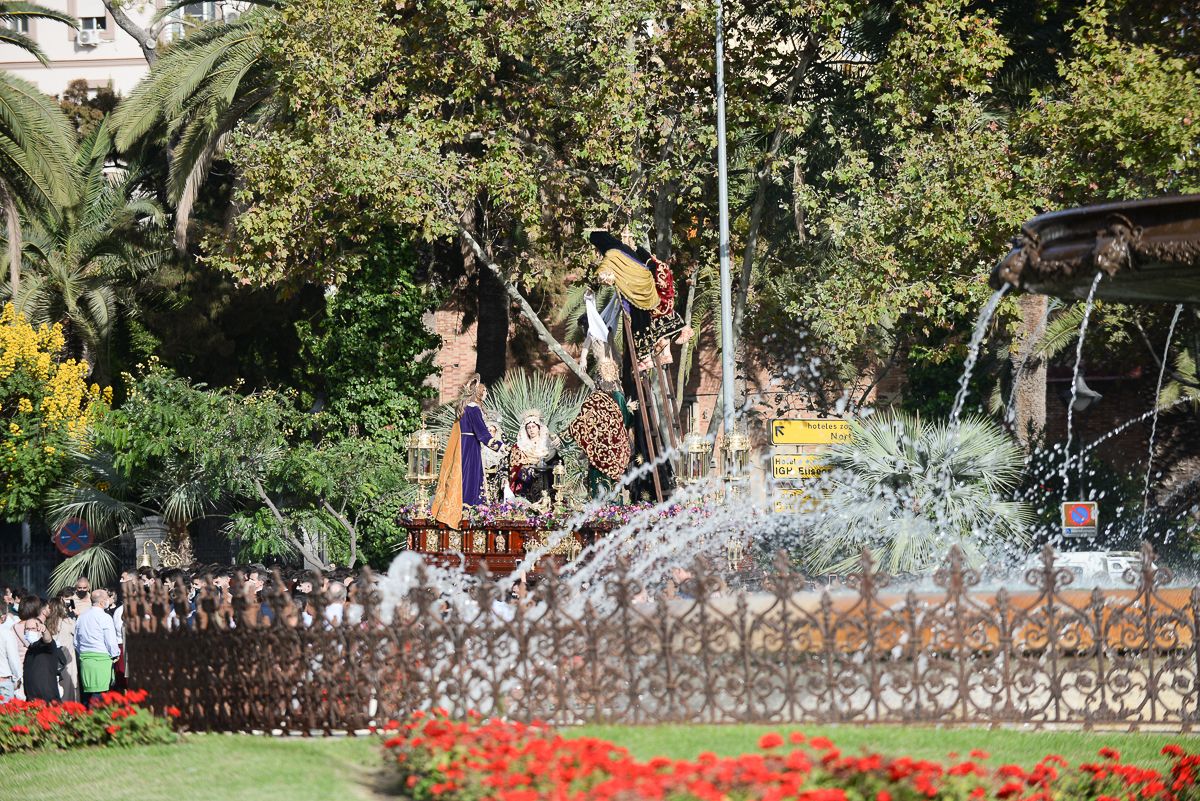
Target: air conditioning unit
x=88 y=38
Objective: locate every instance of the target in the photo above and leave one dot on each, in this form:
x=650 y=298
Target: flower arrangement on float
x=494 y=760
x=608 y=516
x=114 y=719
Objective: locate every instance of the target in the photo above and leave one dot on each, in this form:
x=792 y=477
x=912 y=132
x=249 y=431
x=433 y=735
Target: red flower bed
x=477 y=760
x=116 y=719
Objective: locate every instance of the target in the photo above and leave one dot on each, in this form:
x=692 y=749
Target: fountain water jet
x=1087 y=313
x=1162 y=371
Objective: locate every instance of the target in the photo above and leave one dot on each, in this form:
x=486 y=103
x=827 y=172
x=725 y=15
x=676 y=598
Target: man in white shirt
x=96 y=644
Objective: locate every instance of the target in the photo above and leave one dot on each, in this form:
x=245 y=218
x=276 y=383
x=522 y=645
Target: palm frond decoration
x=519 y=391
x=908 y=490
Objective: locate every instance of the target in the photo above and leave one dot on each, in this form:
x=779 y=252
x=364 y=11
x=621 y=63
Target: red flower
x=883 y=795
x=769 y=741
x=112 y=729
x=1172 y=750
x=1110 y=753
x=519 y=795
x=19 y=729
x=1010 y=789
x=821 y=743
x=978 y=754
x=173 y=711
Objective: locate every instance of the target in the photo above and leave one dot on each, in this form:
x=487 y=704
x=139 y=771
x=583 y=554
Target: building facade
x=99 y=52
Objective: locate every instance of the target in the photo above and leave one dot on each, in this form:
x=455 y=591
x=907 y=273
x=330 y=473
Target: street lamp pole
x=723 y=214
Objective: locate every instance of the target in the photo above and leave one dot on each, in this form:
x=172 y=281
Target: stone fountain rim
x=1055 y=249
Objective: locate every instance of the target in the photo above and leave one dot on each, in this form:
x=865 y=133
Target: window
x=201 y=12
x=18 y=24
x=92 y=24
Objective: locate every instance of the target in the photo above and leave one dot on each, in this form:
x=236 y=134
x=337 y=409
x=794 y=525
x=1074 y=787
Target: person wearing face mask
x=28 y=628
x=61 y=626
x=83 y=597
x=43 y=659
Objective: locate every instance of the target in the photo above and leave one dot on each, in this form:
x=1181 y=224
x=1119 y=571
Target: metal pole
x=723 y=210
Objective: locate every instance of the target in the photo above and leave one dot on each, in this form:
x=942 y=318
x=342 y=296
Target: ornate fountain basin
x=1148 y=249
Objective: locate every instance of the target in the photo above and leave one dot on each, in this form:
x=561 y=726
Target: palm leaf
x=98 y=563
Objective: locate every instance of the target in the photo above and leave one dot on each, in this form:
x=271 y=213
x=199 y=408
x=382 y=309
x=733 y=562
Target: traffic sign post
x=1080 y=518
x=794 y=501
x=788 y=466
x=810 y=432
x=799 y=459
x=73 y=537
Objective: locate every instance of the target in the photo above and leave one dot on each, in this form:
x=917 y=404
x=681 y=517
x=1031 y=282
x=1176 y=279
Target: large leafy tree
x=367 y=356
x=184 y=451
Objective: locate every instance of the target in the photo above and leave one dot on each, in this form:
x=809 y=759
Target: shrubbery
x=117 y=719
x=478 y=760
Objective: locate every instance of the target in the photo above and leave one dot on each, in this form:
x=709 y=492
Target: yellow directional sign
x=797 y=465
x=794 y=501
x=809 y=432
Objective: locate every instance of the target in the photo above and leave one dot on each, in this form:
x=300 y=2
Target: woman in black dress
x=44 y=660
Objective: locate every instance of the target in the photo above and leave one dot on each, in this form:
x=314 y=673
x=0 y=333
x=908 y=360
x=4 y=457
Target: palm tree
x=195 y=94
x=909 y=490
x=106 y=238
x=35 y=136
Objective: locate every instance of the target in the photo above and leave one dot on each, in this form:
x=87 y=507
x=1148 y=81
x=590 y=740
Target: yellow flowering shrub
x=45 y=403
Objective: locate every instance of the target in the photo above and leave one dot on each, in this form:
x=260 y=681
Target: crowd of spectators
x=69 y=647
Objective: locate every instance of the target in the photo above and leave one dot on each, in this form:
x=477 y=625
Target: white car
x=1092 y=568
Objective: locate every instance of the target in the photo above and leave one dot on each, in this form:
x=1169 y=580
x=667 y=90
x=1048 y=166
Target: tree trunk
x=757 y=213
x=146 y=40
x=491 y=331
x=526 y=310
x=13 y=231
x=1029 y=371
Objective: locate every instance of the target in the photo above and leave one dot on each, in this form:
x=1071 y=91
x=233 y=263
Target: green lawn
x=215 y=767
x=210 y=767
x=1005 y=745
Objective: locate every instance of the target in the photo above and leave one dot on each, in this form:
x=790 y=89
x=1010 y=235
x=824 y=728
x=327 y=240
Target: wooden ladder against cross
x=653 y=424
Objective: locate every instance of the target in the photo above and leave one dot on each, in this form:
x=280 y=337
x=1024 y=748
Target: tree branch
x=351 y=530
x=147 y=40
x=526 y=310
x=310 y=559
x=758 y=210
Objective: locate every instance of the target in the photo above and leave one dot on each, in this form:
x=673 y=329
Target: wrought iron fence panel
x=947 y=650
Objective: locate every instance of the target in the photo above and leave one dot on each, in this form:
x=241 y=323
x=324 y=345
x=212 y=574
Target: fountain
x=1149 y=251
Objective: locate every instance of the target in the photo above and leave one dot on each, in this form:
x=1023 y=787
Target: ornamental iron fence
x=949 y=650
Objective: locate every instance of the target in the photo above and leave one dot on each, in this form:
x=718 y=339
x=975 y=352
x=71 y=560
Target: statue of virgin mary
x=532 y=459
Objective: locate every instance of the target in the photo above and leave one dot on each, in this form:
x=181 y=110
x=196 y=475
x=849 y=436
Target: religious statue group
x=478 y=467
